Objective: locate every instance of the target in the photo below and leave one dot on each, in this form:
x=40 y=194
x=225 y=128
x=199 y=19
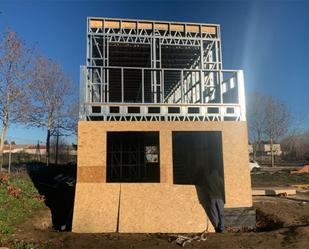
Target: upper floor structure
x=140 y=70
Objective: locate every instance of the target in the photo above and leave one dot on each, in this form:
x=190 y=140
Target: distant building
x=276 y=149
x=32 y=149
x=24 y=148
x=263 y=149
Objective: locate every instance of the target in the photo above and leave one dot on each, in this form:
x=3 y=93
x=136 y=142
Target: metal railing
x=198 y=94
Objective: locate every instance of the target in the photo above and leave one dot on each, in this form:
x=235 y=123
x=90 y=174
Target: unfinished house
x=158 y=114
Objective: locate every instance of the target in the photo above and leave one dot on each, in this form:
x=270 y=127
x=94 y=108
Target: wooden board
x=95 y=23
x=209 y=29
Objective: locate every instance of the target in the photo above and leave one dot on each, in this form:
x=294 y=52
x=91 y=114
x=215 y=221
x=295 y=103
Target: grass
x=279 y=178
x=19 y=200
x=29 y=245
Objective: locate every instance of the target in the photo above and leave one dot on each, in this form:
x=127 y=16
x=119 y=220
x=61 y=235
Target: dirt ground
x=281 y=223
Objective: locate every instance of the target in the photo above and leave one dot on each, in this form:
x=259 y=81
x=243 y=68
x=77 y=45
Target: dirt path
x=288 y=222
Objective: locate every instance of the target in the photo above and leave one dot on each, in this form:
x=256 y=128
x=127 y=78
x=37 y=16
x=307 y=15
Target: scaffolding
x=141 y=70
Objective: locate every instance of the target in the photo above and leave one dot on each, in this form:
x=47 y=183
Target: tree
x=296 y=146
x=50 y=99
x=14 y=68
x=268 y=118
x=278 y=121
x=256 y=119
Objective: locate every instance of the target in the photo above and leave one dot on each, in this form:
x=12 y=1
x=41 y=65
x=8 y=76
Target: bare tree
x=256 y=119
x=296 y=146
x=278 y=122
x=14 y=65
x=50 y=99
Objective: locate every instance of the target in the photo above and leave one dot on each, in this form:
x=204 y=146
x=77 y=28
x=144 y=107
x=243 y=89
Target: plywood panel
x=166 y=157
x=193 y=28
x=96 y=24
x=162 y=26
x=236 y=165
x=95 y=208
x=144 y=25
x=92 y=151
x=209 y=29
x=177 y=27
x=91 y=174
x=128 y=25
x=153 y=208
x=112 y=24
x=91 y=145
x=93 y=23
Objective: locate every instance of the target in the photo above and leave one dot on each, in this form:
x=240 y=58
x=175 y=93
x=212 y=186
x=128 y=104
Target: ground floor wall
x=153 y=207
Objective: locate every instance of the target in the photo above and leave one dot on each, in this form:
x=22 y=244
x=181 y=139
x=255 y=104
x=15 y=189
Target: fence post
x=10 y=157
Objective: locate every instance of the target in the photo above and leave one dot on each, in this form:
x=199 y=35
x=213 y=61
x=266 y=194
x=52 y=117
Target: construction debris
x=303 y=170
x=183 y=240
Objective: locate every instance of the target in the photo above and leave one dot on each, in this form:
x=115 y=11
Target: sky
x=269 y=40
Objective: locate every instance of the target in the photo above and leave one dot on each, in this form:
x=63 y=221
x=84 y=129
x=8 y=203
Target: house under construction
x=157 y=108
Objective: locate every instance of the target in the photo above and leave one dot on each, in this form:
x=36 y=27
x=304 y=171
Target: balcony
x=132 y=97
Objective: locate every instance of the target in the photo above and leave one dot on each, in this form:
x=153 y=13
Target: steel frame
x=203 y=84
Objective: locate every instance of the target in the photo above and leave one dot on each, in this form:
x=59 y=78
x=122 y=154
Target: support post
x=10 y=157
x=143 y=87
x=122 y=86
x=241 y=94
x=202 y=86
x=182 y=90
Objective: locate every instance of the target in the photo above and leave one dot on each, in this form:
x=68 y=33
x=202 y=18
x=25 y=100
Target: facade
x=264 y=149
x=158 y=115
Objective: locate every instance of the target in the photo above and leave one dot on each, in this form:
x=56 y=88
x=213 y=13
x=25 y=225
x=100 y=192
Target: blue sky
x=269 y=40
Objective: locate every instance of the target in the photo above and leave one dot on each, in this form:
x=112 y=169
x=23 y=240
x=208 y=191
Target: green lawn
x=19 y=200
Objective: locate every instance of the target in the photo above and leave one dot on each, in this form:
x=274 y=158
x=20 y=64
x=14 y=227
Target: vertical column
x=181 y=89
x=122 y=85
x=202 y=86
x=107 y=71
x=241 y=94
x=83 y=93
x=153 y=72
x=143 y=86
x=166 y=157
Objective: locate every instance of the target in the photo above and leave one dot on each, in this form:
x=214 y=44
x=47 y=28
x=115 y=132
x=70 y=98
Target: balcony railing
x=161 y=94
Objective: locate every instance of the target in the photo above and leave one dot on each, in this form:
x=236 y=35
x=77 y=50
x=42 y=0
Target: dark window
x=133 y=157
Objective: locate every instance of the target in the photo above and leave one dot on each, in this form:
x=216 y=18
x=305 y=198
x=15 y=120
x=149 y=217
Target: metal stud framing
x=175 y=65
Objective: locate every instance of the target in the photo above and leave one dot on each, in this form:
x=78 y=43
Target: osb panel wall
x=92 y=171
x=236 y=170
x=96 y=208
x=165 y=208
x=92 y=152
x=142 y=208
